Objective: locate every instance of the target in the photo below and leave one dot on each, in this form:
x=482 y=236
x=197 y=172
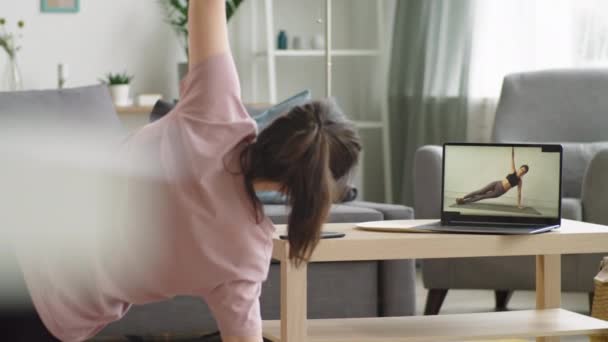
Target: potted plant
x=176 y=13
x=120 y=86
x=10 y=45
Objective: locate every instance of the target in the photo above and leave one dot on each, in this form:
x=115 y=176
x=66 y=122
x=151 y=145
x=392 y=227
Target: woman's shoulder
x=211 y=90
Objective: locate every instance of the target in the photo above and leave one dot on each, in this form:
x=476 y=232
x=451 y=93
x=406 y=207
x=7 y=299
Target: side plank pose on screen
x=500 y=187
x=211 y=238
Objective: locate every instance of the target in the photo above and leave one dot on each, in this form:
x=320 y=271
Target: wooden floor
x=468 y=301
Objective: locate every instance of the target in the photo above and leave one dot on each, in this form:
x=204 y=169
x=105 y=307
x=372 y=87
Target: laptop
x=500 y=188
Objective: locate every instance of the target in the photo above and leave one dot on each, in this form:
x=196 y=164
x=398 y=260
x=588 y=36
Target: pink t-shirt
x=192 y=231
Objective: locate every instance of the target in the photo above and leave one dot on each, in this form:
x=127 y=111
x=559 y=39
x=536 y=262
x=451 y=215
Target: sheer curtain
x=449 y=58
x=428 y=81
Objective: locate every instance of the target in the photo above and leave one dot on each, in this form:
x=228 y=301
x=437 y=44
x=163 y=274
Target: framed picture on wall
x=59 y=6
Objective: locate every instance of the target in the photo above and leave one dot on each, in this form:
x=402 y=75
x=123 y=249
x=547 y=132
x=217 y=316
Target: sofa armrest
x=428 y=163
x=595 y=189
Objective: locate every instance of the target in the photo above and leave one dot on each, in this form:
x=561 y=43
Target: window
x=523 y=35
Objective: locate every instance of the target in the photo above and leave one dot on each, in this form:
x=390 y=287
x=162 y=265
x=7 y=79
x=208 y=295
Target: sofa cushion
x=339 y=213
x=577 y=157
x=348 y=193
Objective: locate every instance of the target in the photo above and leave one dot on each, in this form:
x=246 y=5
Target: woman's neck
x=263 y=185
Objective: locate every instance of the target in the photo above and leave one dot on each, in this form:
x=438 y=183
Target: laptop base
x=486 y=229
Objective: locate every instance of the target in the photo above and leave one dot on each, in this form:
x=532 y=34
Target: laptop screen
x=502 y=181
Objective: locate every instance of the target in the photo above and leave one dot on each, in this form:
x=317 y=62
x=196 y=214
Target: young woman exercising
x=212 y=239
x=500 y=187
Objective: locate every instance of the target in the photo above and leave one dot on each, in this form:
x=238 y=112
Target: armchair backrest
x=553 y=106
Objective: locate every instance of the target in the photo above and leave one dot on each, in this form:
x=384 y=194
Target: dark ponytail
x=309 y=190
x=305 y=151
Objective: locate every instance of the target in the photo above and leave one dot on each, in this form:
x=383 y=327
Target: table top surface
x=573 y=237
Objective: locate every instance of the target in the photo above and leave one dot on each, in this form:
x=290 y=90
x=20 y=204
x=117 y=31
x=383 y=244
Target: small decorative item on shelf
x=297 y=43
x=120 y=86
x=318 y=42
x=283 y=41
x=10 y=45
x=63 y=73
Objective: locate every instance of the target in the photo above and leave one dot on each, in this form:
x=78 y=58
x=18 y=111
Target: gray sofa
x=562 y=106
x=347 y=289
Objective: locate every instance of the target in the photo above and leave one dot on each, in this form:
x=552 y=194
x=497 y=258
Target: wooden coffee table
x=546 y=323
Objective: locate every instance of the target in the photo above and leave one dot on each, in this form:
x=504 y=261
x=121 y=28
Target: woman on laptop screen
x=500 y=187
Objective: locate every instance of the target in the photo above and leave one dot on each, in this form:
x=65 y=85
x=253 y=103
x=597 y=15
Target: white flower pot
x=120 y=94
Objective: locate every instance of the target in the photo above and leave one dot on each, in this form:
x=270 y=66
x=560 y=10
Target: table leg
x=293 y=302
x=548 y=286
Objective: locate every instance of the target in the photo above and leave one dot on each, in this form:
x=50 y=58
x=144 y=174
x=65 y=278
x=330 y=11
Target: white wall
x=107 y=35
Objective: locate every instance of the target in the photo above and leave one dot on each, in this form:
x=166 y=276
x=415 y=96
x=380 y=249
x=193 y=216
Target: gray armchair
x=560 y=106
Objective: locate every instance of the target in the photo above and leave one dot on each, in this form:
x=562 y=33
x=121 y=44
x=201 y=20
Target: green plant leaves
x=231 y=7
x=117 y=79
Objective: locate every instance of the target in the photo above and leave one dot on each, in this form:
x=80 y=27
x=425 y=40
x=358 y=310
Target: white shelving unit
x=271 y=53
x=321 y=53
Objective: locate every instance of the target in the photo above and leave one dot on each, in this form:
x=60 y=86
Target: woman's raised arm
x=513 y=159
x=208 y=30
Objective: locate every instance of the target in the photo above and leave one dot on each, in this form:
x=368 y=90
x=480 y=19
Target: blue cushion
x=267 y=117
x=271 y=197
